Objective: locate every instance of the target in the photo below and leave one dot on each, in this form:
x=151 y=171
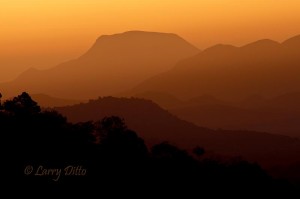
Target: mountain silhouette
x=113 y=64
x=264 y=68
x=155 y=124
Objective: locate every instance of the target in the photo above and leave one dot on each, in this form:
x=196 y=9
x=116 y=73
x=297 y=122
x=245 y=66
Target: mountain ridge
x=230 y=73
x=120 y=62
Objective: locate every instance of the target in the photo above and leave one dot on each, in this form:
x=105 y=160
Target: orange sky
x=41 y=33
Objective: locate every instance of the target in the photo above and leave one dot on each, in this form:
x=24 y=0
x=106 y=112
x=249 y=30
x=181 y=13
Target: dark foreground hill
x=155 y=124
x=42 y=153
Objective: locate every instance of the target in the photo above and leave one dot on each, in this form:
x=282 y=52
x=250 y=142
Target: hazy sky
x=41 y=33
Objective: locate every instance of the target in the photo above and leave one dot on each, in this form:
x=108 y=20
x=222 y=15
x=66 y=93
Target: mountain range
x=135 y=62
x=253 y=87
x=113 y=64
x=252 y=91
x=265 y=67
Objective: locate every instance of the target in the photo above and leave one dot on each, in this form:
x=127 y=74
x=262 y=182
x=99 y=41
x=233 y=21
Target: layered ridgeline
x=155 y=124
x=113 y=64
x=255 y=87
x=279 y=115
x=226 y=72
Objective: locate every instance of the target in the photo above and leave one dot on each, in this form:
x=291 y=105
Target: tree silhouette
x=168 y=152
x=118 y=141
x=198 y=151
x=22 y=105
x=1 y=102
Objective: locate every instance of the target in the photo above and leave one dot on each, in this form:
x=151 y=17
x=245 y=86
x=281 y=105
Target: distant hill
x=48 y=101
x=264 y=68
x=155 y=124
x=113 y=64
x=278 y=115
x=164 y=100
x=171 y=102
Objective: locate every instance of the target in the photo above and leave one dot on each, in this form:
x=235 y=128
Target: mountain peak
x=263 y=43
x=134 y=42
x=136 y=33
x=115 y=63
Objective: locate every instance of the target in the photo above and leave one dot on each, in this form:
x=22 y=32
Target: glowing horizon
x=42 y=33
